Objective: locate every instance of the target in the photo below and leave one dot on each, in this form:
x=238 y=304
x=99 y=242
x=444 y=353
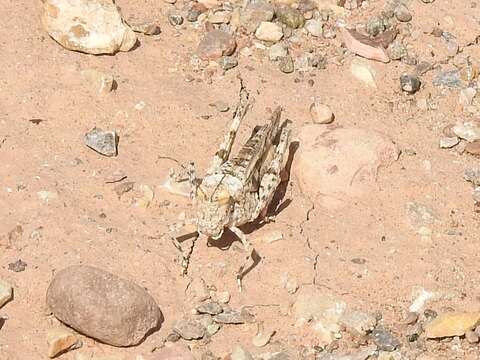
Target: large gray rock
x=102 y=305
x=89 y=26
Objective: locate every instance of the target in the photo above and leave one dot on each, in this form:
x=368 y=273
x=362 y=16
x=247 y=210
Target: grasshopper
x=238 y=190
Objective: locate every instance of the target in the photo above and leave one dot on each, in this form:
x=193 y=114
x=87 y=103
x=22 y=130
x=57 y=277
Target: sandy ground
x=88 y=224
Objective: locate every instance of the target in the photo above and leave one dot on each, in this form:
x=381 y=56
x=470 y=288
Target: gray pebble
x=189 y=329
x=17 y=266
x=410 y=83
x=103 y=142
x=228 y=62
x=286 y=65
x=402 y=13
x=232 y=317
x=384 y=340
x=175 y=19
x=449 y=78
x=211 y=308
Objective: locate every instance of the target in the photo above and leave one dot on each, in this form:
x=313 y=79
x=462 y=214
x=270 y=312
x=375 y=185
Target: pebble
x=314 y=27
x=228 y=62
x=195 y=11
x=263 y=336
x=410 y=318
x=102 y=305
x=277 y=51
x=145 y=27
x=289 y=16
x=6 y=293
x=47 y=196
x=363 y=72
x=473 y=148
x=409 y=83
x=472 y=337
x=469 y=130
x=449 y=78
x=103 y=142
x=268 y=31
x=396 y=50
x=286 y=65
x=451 y=324
x=363 y=46
x=220 y=17
x=423 y=67
x=17 y=266
x=211 y=308
x=359 y=321
x=232 y=317
x=239 y=353
x=448 y=142
x=189 y=329
x=222 y=296
x=320 y=113
x=255 y=13
x=466 y=96
x=123 y=188
x=102 y=82
x=375 y=25
x=220 y=106
x=402 y=13
x=175 y=19
x=61 y=340
x=88 y=26
x=215 y=44
x=384 y=340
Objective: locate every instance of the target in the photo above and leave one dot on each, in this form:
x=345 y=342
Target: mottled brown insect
x=237 y=190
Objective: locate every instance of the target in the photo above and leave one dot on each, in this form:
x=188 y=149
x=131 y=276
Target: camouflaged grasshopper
x=238 y=190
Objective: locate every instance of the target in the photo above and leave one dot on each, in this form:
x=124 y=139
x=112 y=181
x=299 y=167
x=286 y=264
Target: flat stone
x=359 y=321
x=363 y=46
x=450 y=78
x=384 y=340
x=211 y=308
x=6 y=293
x=448 y=142
x=232 y=317
x=363 y=72
x=268 y=31
x=469 y=130
x=215 y=44
x=100 y=81
x=451 y=324
x=103 y=142
x=255 y=13
x=89 y=26
x=102 y=305
x=61 y=340
x=334 y=166
x=239 y=353
x=314 y=27
x=189 y=329
x=277 y=51
x=145 y=27
x=473 y=148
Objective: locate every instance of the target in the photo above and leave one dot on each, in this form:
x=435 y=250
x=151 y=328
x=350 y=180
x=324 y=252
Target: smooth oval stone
x=102 y=305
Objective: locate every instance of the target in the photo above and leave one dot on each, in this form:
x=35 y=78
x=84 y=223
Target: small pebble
x=17 y=266
x=103 y=142
x=61 y=340
x=220 y=106
x=211 y=308
x=286 y=65
x=384 y=340
x=175 y=19
x=448 y=142
x=6 y=293
x=411 y=318
x=472 y=337
x=228 y=62
x=189 y=329
x=320 y=113
x=410 y=83
x=402 y=13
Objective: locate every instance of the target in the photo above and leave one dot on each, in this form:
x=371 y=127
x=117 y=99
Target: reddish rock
x=215 y=44
x=364 y=46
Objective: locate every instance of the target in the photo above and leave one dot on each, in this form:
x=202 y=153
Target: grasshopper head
x=215 y=205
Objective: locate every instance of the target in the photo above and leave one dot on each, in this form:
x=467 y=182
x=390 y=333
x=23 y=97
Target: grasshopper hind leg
x=249 y=257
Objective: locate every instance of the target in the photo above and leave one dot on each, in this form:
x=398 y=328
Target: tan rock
x=364 y=72
x=452 y=324
x=89 y=26
x=101 y=82
x=363 y=46
x=215 y=44
x=321 y=113
x=61 y=340
x=6 y=293
x=268 y=31
x=473 y=147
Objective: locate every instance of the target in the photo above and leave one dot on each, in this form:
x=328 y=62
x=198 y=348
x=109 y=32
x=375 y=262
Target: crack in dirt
x=307 y=240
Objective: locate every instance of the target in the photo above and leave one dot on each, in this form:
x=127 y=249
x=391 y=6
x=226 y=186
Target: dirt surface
x=87 y=223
